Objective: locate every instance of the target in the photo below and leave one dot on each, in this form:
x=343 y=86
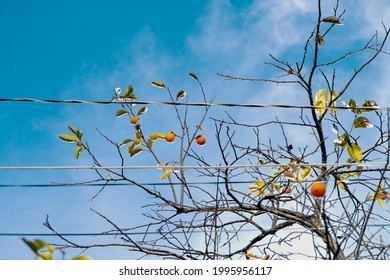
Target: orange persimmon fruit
x=200 y=140
x=133 y=120
x=170 y=137
x=318 y=189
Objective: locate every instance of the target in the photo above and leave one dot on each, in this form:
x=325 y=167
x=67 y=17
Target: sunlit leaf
x=121 y=112
x=128 y=92
x=160 y=135
x=331 y=19
x=359 y=170
x=82 y=258
x=335 y=129
x=142 y=110
x=161 y=165
x=289 y=175
x=37 y=246
x=117 y=90
x=77 y=152
x=320 y=40
x=68 y=138
x=260 y=183
x=362 y=122
x=342 y=140
x=332 y=95
x=320 y=101
x=369 y=106
x=293 y=166
x=158 y=84
x=193 y=76
x=165 y=175
x=124 y=142
x=351 y=104
x=73 y=129
x=135 y=151
x=149 y=143
x=306 y=172
x=251 y=256
x=355 y=152
x=130 y=148
x=180 y=95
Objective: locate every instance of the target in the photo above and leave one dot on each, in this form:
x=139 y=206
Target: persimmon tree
x=329 y=196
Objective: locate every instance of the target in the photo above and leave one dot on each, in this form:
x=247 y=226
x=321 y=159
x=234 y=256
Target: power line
x=174 y=167
x=190 y=104
x=114 y=185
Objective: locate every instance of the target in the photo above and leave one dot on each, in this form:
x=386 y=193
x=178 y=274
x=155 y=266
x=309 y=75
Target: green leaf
x=82 y=258
x=158 y=84
x=181 y=94
x=73 y=129
x=135 y=151
x=331 y=19
x=193 y=76
x=128 y=92
x=320 y=40
x=359 y=170
x=351 y=104
x=130 y=148
x=149 y=143
x=342 y=140
x=355 y=152
x=362 y=122
x=369 y=106
x=77 y=152
x=121 y=112
x=37 y=245
x=124 y=142
x=68 y=138
x=142 y=110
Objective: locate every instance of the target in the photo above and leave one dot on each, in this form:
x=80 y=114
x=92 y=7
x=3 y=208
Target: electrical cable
x=190 y=104
x=173 y=167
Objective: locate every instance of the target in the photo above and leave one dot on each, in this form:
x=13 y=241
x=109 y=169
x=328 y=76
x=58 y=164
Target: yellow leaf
x=260 y=183
x=331 y=19
x=331 y=97
x=160 y=135
x=306 y=172
x=380 y=201
x=320 y=101
x=162 y=165
x=165 y=175
x=355 y=152
x=320 y=40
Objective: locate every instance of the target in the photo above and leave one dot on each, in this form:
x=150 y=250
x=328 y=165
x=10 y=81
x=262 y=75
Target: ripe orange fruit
x=170 y=137
x=153 y=136
x=133 y=120
x=318 y=189
x=137 y=141
x=200 y=140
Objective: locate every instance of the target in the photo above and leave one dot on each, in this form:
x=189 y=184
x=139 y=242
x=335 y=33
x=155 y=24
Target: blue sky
x=83 y=49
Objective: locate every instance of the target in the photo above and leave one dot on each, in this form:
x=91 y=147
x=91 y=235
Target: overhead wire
x=67 y=185
x=183 y=167
x=190 y=104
